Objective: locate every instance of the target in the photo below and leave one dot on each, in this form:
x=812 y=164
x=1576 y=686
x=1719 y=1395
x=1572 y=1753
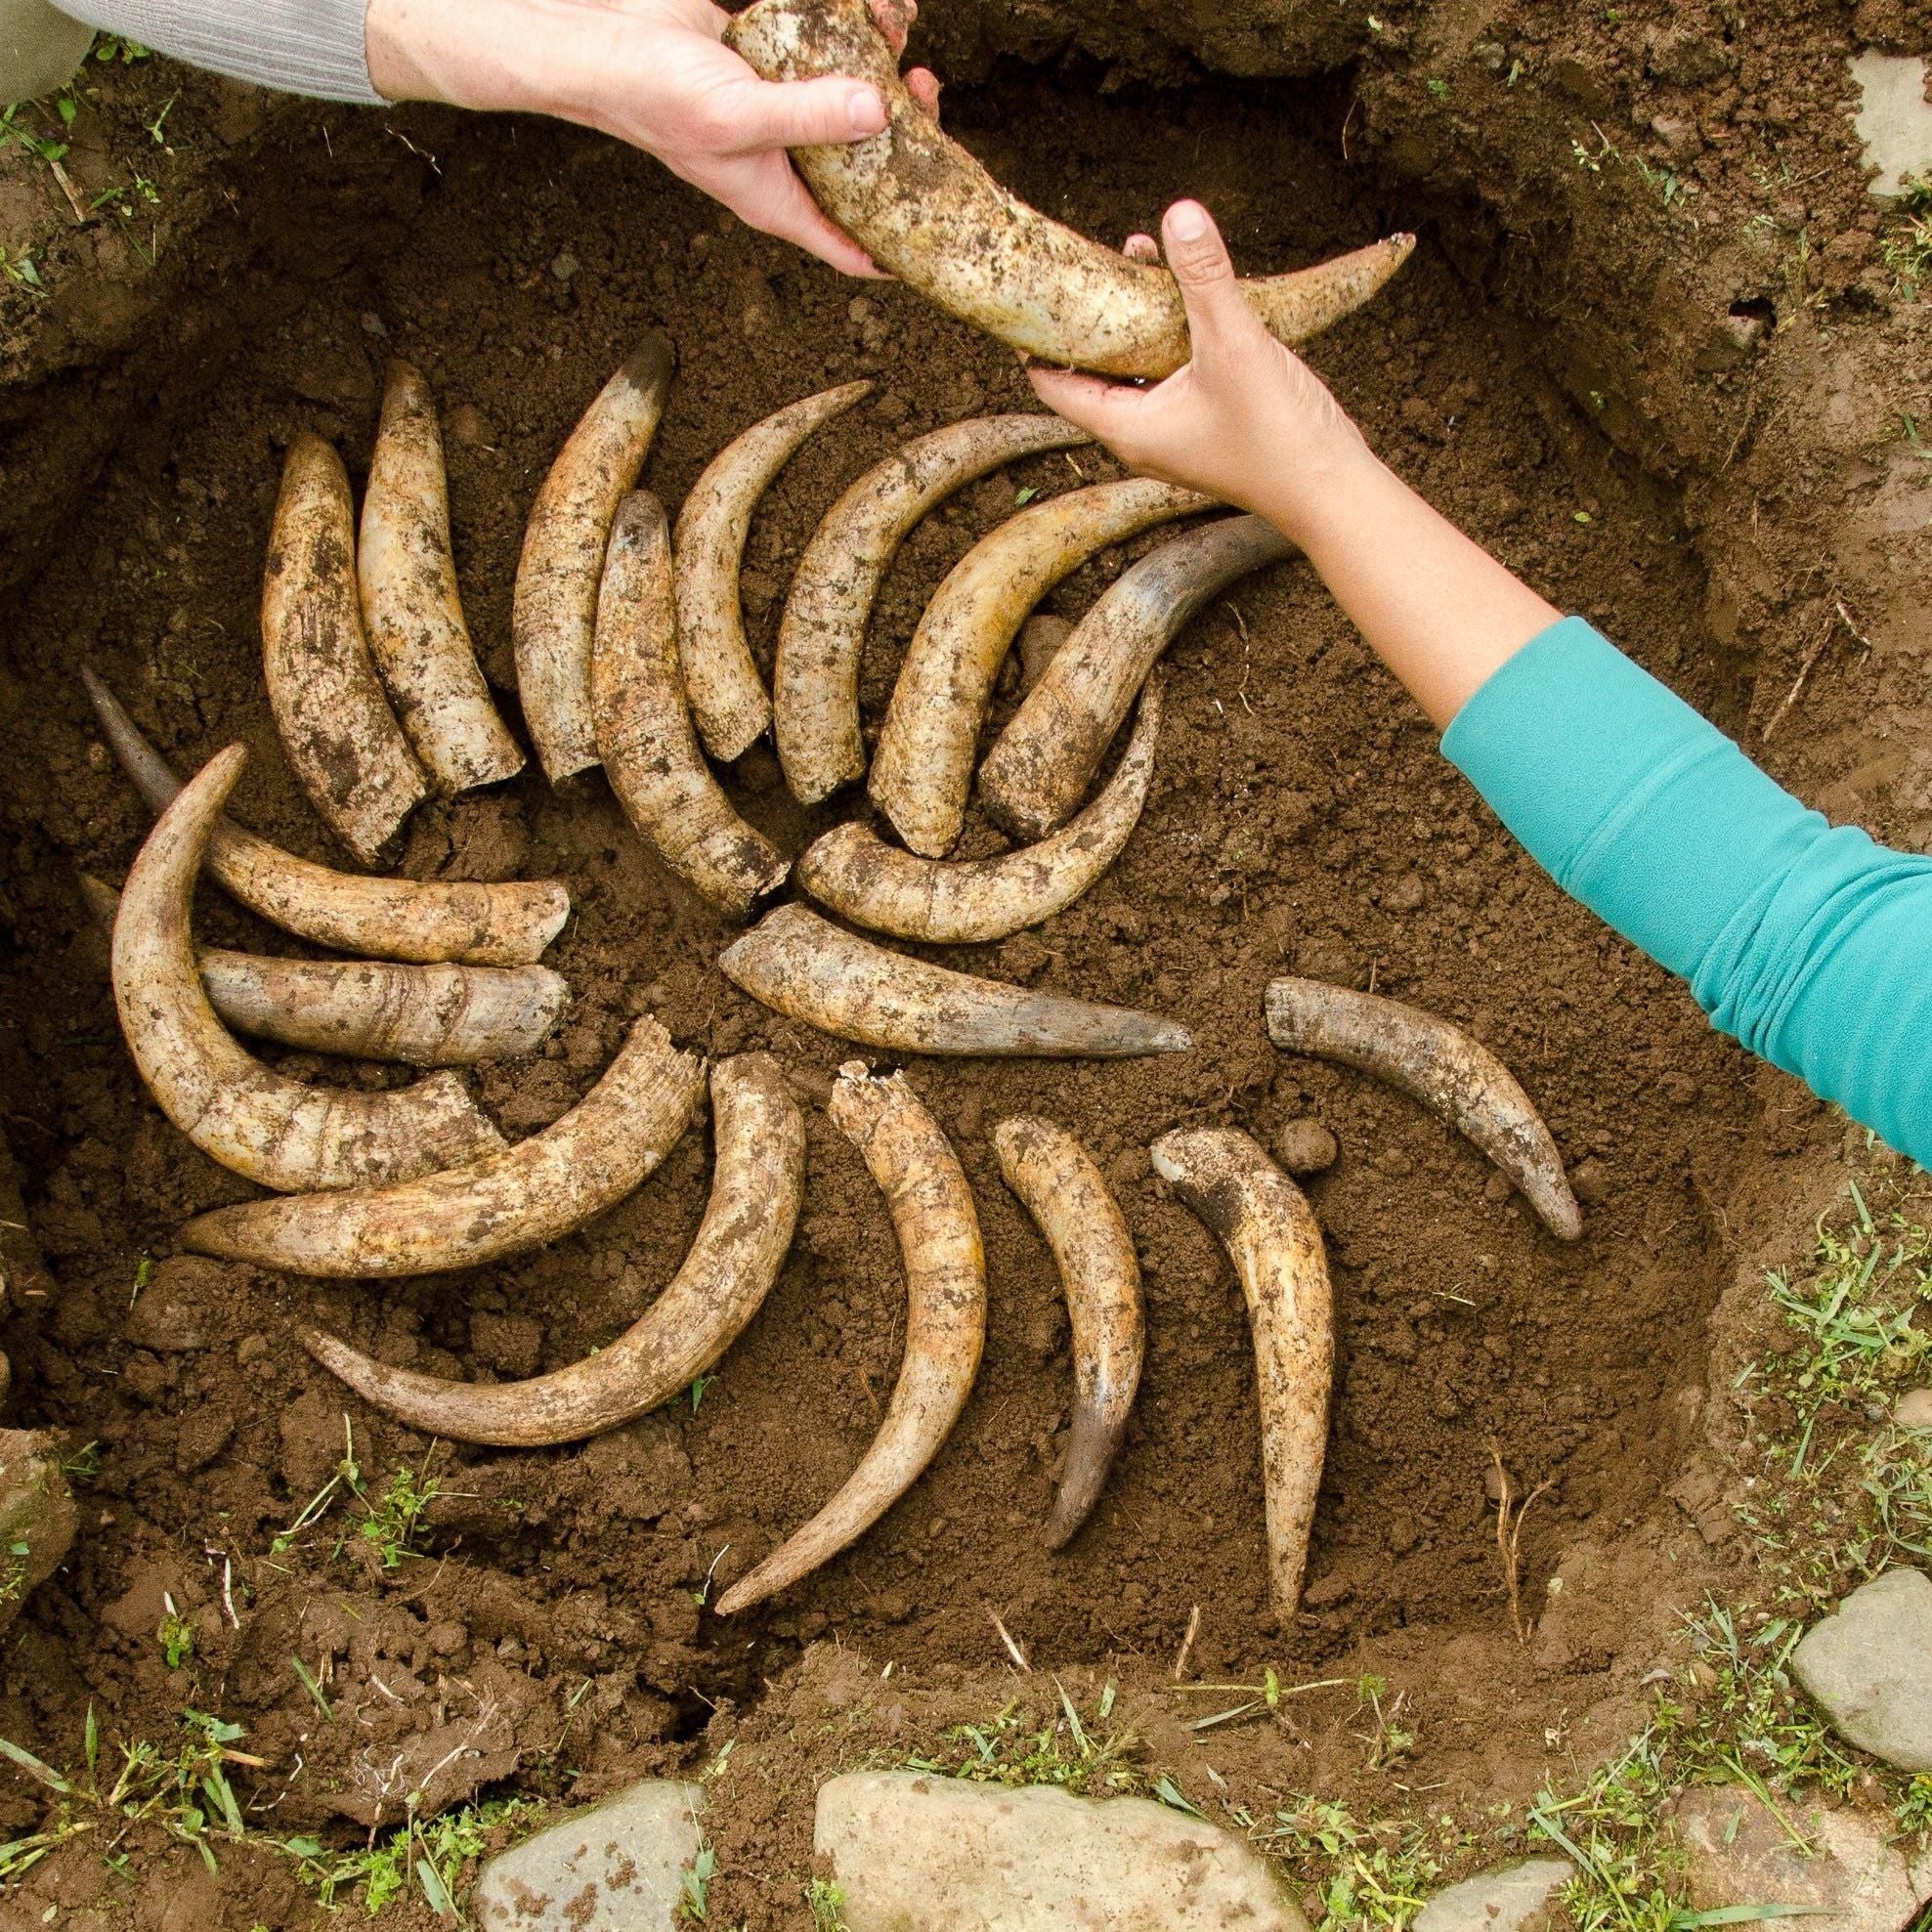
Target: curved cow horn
x=1270 y=1235
x=1056 y=1177
x=932 y=1213
x=277 y=1132
x=926 y=211
x=538 y=1191
x=922 y=768
x=951 y=902
x=644 y=734
x=815 y=676
x=727 y=696
x=395 y=919
x=336 y=726
x=756 y=1187
x=1453 y=1076
x=412 y=609
x=810 y=969
x=1035 y=776
x=554 y=617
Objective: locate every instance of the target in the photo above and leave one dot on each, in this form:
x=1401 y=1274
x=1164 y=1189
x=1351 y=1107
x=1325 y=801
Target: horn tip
x=1560 y=1213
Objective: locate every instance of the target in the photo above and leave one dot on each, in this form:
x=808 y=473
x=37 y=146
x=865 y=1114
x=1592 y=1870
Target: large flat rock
x=1894 y=118
x=618 y=1866
x=1516 y=1899
x=1739 y=1853
x=1870 y=1668
x=919 y=1854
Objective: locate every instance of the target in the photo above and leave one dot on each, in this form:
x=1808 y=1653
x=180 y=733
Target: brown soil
x=1301 y=819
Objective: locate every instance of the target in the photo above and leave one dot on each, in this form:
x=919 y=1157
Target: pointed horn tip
x=1165 y=1155
x=1564 y=1217
x=1169 y=1036
x=1057 y=1531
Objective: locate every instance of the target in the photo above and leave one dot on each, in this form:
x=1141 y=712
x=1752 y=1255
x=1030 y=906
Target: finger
x=1102 y=408
x=775 y=200
x=751 y=115
x=1217 y=313
x=1142 y=248
x=922 y=84
x=894 y=19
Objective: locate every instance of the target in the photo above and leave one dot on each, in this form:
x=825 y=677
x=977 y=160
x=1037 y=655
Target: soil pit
x=1302 y=819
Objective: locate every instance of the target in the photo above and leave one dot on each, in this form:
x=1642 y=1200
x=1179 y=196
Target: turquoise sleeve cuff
x=1806 y=942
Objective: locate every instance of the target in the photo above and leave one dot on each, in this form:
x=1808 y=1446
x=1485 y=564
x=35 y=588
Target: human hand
x=655 y=73
x=1245 y=419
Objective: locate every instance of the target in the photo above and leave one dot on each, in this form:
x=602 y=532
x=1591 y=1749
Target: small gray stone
x=1739 y=1853
x=1870 y=1668
x=1914 y=1409
x=617 y=1867
x=1516 y=1899
x=909 y=1850
x=1305 y=1146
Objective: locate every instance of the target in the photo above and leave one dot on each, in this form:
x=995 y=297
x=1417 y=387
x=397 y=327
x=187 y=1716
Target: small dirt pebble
x=1589 y=1181
x=1305 y=1146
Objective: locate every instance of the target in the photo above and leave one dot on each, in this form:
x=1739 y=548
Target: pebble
x=1870 y=1668
x=1589 y=1182
x=1516 y=1899
x=470 y=426
x=618 y=1866
x=1738 y=1853
x=911 y=1850
x=177 y=1309
x=1914 y=1409
x=1305 y=1146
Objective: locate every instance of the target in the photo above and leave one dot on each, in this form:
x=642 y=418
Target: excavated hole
x=1303 y=820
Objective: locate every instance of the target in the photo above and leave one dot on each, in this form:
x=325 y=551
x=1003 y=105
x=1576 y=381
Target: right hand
x=653 y=73
x=1245 y=419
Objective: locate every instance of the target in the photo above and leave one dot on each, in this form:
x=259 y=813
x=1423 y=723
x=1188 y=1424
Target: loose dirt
x=557 y=1623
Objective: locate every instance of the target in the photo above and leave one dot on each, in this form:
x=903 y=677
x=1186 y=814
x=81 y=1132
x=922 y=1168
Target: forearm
x=413 y=56
x=1802 y=940
x=309 y=47
x=1439 y=610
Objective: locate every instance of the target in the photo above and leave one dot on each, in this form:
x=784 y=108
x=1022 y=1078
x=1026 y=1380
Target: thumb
x=797 y=114
x=1216 y=309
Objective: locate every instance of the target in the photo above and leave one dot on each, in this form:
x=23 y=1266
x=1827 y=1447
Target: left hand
x=655 y=73
x=1244 y=420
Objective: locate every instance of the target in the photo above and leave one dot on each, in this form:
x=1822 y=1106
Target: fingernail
x=1187 y=221
x=865 y=111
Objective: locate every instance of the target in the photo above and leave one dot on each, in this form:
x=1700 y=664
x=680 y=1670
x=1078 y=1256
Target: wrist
x=1324 y=486
x=483 y=54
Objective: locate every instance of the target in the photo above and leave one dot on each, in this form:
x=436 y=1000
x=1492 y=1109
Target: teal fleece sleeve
x=1808 y=943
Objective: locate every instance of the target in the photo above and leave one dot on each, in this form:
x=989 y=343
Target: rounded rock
x=1305 y=1146
x=1914 y=1409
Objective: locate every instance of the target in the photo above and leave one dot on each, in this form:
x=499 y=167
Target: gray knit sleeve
x=309 y=47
